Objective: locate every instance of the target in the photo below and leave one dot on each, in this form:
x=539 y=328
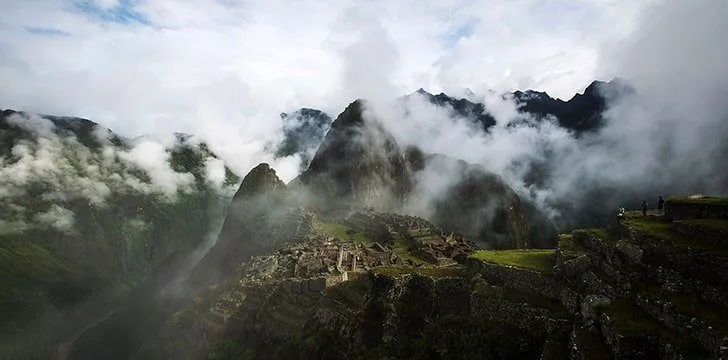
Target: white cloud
x=57 y=217
x=151 y=156
x=224 y=70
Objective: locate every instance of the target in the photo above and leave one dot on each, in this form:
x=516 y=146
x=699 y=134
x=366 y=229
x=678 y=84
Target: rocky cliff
x=359 y=162
x=246 y=229
x=407 y=290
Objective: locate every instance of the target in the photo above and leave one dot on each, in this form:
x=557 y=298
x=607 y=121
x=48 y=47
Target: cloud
x=224 y=70
x=151 y=156
x=57 y=217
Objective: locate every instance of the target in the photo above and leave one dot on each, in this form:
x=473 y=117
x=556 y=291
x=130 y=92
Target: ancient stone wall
x=681 y=210
x=300 y=286
x=525 y=280
x=715 y=235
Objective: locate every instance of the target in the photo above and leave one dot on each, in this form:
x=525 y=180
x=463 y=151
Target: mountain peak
x=358 y=160
x=261 y=179
x=353 y=114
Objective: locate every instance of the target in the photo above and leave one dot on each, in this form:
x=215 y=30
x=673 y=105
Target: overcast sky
x=224 y=69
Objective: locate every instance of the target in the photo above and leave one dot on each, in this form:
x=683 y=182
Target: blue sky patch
x=122 y=13
x=464 y=30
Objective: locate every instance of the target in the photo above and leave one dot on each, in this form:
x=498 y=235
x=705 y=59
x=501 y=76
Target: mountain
x=304 y=129
x=374 y=251
x=363 y=284
x=358 y=161
x=481 y=205
x=244 y=231
x=87 y=216
x=581 y=113
x=464 y=108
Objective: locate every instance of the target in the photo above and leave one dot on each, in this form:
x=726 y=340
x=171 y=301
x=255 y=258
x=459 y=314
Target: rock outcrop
x=246 y=231
x=359 y=162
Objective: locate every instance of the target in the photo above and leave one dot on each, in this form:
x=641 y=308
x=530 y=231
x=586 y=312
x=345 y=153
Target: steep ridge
x=581 y=113
x=359 y=162
x=244 y=232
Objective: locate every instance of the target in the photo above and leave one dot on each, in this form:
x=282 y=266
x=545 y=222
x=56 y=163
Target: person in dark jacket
x=661 y=205
x=644 y=207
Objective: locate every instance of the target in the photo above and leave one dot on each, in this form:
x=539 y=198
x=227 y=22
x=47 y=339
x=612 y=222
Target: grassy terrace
x=604 y=234
x=428 y=271
x=401 y=249
x=516 y=296
x=631 y=320
x=689 y=304
x=709 y=224
x=539 y=260
x=704 y=200
x=663 y=230
x=344 y=232
x=570 y=248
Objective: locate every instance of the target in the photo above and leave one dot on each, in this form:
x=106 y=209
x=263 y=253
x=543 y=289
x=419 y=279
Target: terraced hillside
x=369 y=285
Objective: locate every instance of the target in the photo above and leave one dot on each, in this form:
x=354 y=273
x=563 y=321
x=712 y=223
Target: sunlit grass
x=663 y=230
x=344 y=232
x=539 y=260
x=604 y=234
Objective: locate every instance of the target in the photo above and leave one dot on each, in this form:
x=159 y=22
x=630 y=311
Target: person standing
x=661 y=205
x=644 y=207
x=620 y=215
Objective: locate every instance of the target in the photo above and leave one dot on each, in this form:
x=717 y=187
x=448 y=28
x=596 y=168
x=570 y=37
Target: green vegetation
x=227 y=349
x=663 y=230
x=351 y=293
x=709 y=224
x=703 y=200
x=694 y=306
x=688 y=304
x=344 y=232
x=629 y=319
x=570 y=248
x=33 y=277
x=567 y=244
x=427 y=271
x=539 y=260
x=516 y=296
x=605 y=235
x=401 y=248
